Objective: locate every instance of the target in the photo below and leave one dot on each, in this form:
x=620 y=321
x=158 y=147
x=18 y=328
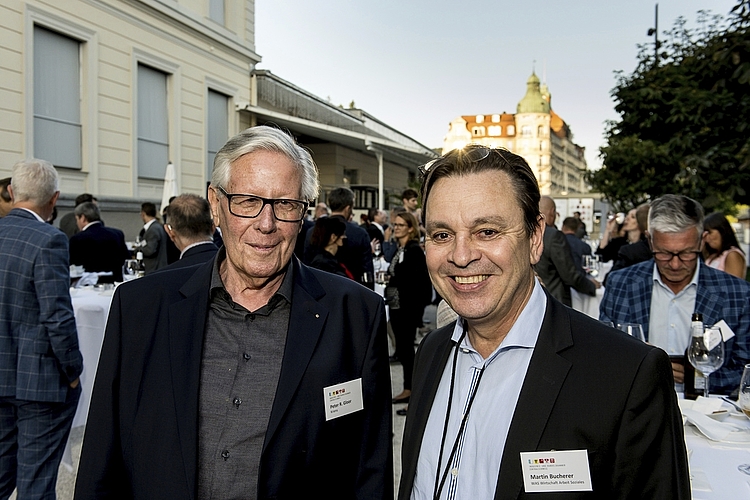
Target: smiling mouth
x=469 y=280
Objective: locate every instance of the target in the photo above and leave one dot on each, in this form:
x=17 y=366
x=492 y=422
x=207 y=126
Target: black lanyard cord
x=440 y=481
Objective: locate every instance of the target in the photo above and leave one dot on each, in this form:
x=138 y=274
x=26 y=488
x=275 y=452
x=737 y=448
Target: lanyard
x=440 y=478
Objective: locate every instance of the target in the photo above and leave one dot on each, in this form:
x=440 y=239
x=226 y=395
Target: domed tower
x=532 y=131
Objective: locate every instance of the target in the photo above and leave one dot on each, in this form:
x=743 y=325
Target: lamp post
x=655 y=32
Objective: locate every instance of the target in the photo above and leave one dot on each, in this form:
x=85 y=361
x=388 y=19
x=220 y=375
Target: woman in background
x=409 y=290
x=720 y=247
x=327 y=236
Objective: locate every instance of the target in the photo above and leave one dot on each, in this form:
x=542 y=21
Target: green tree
x=684 y=123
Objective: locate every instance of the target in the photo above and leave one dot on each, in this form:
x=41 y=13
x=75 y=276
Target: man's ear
x=536 y=242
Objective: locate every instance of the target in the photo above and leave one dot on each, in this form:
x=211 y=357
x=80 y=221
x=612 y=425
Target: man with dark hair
x=6 y=202
x=97 y=248
x=503 y=386
x=581 y=232
x=356 y=254
x=375 y=229
x=153 y=244
x=252 y=375
x=578 y=247
x=556 y=267
x=68 y=224
x=191 y=228
x=662 y=293
x=409 y=198
x=39 y=358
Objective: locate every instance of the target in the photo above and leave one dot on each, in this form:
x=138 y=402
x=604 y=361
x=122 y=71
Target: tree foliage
x=684 y=123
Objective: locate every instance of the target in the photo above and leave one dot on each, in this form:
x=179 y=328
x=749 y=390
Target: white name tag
x=343 y=399
x=546 y=471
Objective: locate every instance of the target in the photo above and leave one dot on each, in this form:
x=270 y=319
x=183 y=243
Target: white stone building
x=536 y=133
x=110 y=91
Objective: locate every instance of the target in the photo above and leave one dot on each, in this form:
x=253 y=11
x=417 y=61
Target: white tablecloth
x=91 y=307
x=586 y=303
x=713 y=465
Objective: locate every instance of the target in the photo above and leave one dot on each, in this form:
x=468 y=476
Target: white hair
x=35 y=181
x=266 y=139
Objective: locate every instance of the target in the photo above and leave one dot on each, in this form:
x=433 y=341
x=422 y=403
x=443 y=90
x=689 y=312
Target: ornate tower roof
x=533 y=101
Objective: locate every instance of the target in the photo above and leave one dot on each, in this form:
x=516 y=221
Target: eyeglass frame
x=266 y=201
x=695 y=253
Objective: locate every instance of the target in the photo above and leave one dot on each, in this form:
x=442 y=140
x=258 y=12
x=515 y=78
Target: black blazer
x=194 y=256
x=557 y=270
x=99 y=248
x=587 y=387
x=142 y=432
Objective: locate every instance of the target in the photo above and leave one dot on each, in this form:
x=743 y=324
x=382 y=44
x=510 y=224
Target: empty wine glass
x=706 y=353
x=745 y=391
x=635 y=330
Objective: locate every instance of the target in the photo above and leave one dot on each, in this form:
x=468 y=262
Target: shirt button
x=454 y=472
x=225 y=455
x=246 y=356
x=237 y=402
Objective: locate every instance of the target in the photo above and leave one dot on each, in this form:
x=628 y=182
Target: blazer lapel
x=544 y=379
x=708 y=298
x=306 y=322
x=187 y=319
x=642 y=289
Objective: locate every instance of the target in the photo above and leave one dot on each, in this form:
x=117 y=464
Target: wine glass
x=130 y=270
x=635 y=330
x=706 y=353
x=745 y=391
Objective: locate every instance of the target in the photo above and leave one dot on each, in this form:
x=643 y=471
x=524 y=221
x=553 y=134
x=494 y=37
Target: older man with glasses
x=252 y=375
x=663 y=293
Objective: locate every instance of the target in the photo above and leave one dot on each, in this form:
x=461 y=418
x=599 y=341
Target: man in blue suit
x=252 y=375
x=39 y=357
x=96 y=247
x=662 y=293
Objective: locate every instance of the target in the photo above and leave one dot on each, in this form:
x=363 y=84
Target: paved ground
x=66 y=478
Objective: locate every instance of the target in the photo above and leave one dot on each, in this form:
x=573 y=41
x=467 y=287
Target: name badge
x=547 y=471
x=343 y=399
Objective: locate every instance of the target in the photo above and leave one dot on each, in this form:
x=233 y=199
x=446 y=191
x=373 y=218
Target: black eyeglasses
x=472 y=152
x=685 y=256
x=249 y=206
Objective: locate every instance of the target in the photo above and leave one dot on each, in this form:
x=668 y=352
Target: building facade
x=536 y=133
x=111 y=91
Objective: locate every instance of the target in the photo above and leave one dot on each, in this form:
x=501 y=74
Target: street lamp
x=655 y=32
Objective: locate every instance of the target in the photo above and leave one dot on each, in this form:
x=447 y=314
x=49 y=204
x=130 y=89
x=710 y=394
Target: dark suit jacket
x=355 y=254
x=155 y=250
x=142 y=432
x=557 y=270
x=587 y=387
x=195 y=256
x=578 y=248
x=631 y=254
x=627 y=299
x=39 y=353
x=99 y=248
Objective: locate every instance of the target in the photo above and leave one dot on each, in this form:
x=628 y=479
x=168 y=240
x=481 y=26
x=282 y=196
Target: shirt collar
x=36 y=215
x=524 y=332
x=90 y=224
x=148 y=224
x=284 y=291
x=193 y=245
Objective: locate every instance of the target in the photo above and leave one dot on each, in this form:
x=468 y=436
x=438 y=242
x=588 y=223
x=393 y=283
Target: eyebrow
x=498 y=221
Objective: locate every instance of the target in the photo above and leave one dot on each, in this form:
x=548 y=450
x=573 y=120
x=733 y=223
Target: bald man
x=556 y=268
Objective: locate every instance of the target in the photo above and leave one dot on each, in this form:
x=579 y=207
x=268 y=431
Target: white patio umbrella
x=170 y=186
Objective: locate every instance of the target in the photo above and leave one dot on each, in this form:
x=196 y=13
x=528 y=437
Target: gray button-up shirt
x=240 y=366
